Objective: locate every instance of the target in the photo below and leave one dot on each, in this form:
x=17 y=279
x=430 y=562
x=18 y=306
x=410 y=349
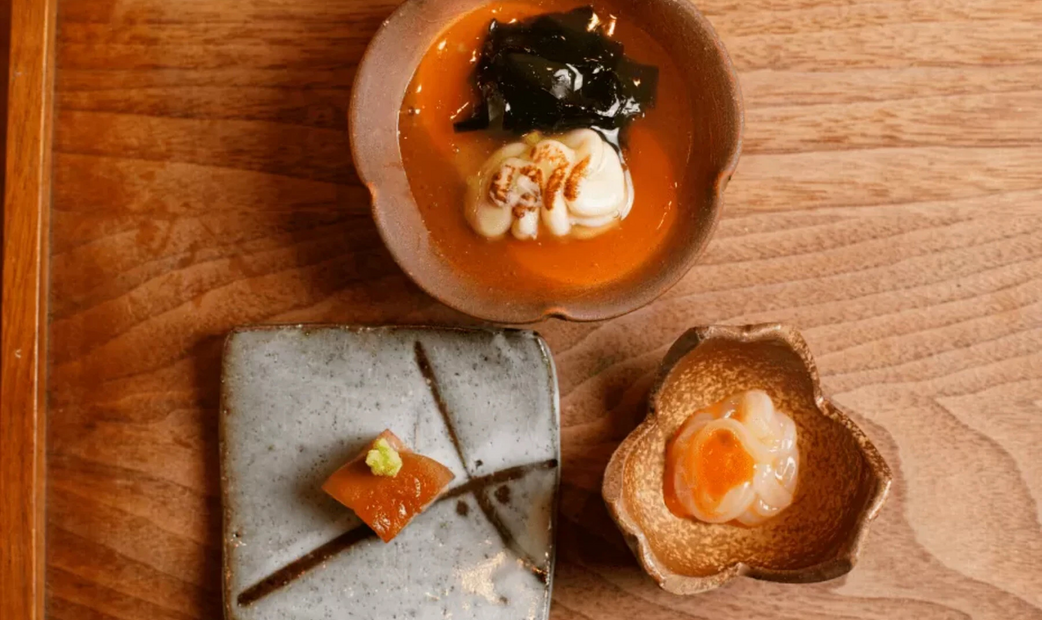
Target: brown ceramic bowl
x=843 y=481
x=379 y=88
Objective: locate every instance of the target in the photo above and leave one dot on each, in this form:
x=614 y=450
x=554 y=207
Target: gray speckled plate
x=298 y=402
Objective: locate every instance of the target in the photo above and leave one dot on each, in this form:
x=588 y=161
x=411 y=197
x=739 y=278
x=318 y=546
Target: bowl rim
x=613 y=487
x=531 y=311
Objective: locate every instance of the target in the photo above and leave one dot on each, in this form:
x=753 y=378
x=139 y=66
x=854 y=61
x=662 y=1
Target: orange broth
x=438 y=161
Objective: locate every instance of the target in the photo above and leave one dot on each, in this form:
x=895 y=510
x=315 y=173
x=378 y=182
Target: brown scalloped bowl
x=843 y=481
x=383 y=76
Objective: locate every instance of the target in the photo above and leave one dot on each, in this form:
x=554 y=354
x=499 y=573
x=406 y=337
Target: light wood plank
x=889 y=203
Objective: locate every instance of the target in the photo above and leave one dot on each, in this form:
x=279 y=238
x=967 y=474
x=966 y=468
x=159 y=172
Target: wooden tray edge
x=23 y=305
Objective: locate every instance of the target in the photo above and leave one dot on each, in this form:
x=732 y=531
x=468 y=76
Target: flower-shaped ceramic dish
x=379 y=88
x=843 y=480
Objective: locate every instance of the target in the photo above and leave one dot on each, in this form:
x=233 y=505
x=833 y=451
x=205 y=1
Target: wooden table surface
x=888 y=203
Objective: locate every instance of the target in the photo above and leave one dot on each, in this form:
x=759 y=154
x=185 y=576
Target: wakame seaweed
x=557 y=72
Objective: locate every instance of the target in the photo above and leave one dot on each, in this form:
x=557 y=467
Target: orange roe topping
x=720 y=464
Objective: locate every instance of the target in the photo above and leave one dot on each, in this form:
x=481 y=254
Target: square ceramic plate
x=298 y=402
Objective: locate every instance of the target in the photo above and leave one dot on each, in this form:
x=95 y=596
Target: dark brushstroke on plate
x=483 y=501
x=296 y=569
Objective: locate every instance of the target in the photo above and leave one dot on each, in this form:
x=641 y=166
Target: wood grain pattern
x=28 y=43
x=889 y=203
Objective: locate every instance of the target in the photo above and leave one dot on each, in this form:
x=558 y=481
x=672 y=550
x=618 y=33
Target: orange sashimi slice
x=388 y=503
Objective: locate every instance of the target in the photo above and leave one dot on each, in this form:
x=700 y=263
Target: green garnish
x=383 y=460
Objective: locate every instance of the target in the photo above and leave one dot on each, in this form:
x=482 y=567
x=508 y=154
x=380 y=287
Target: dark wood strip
x=28 y=44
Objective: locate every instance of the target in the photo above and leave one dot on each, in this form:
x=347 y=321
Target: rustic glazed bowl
x=379 y=88
x=843 y=481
